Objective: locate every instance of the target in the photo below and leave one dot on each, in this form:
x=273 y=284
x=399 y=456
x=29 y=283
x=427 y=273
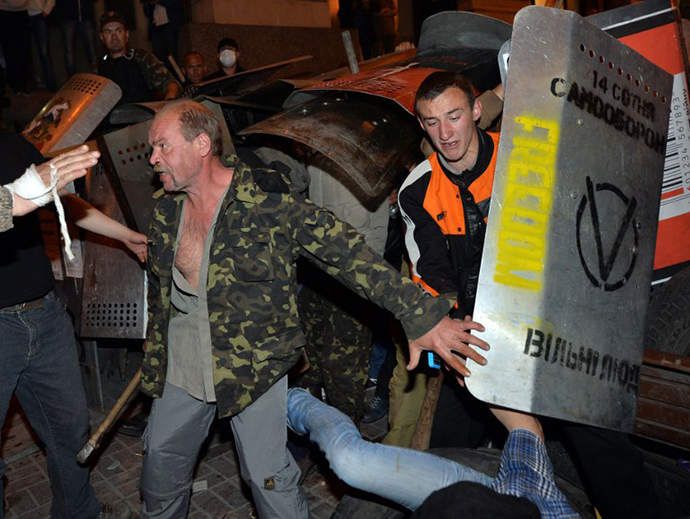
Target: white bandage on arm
x=30 y=186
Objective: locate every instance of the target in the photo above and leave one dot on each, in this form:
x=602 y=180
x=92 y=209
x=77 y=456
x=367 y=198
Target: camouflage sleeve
x=155 y=347
x=155 y=73
x=153 y=292
x=5 y=209
x=338 y=249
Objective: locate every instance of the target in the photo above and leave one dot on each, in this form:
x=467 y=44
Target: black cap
x=227 y=42
x=112 y=16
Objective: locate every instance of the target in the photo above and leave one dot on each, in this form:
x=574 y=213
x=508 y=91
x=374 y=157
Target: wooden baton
x=110 y=418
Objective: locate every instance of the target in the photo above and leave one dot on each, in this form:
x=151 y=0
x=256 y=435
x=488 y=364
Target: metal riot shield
x=73 y=113
x=114 y=293
x=567 y=261
x=114 y=289
x=372 y=140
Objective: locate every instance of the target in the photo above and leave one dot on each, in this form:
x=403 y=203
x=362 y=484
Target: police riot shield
x=73 y=113
x=567 y=261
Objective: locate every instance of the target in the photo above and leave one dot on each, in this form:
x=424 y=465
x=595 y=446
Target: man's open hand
x=453 y=341
x=69 y=166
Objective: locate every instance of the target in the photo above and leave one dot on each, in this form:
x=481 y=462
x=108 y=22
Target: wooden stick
x=422 y=432
x=108 y=421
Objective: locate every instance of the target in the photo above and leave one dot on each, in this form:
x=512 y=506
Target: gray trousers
x=178 y=425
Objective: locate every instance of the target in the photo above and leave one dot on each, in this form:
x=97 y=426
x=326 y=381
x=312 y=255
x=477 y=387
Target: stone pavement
x=219 y=490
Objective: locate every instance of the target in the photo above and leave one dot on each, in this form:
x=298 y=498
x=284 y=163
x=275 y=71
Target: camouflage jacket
x=155 y=73
x=262 y=228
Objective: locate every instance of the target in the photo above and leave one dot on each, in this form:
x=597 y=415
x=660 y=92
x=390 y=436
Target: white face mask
x=228 y=58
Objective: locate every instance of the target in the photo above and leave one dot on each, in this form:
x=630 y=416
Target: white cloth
x=30 y=186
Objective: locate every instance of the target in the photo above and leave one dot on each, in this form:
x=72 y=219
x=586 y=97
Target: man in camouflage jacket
x=252 y=240
x=138 y=73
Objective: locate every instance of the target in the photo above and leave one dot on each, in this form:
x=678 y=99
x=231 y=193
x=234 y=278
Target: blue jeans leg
x=38 y=361
x=379 y=351
x=404 y=476
x=12 y=361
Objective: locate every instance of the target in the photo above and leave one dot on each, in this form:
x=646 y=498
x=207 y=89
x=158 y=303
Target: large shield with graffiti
x=568 y=256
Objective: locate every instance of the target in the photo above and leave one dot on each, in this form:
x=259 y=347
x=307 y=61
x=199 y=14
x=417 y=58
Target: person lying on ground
x=408 y=477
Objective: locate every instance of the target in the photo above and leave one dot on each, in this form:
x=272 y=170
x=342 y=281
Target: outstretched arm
x=87 y=217
x=512 y=420
x=525 y=469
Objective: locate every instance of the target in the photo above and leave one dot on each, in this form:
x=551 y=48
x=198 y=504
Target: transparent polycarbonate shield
x=568 y=255
x=72 y=113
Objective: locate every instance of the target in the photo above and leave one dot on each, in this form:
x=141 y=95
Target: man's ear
x=421 y=123
x=202 y=142
x=477 y=110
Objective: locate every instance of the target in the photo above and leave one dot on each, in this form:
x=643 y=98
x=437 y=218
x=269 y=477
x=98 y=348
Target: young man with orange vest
x=445 y=200
x=444 y=203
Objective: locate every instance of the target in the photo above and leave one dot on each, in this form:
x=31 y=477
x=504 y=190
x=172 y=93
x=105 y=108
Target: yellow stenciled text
x=522 y=236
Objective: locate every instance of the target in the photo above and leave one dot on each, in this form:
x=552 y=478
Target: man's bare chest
x=190 y=250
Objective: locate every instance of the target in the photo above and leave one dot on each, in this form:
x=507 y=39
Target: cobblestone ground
x=219 y=491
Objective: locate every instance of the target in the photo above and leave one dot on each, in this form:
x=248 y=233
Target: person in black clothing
x=15 y=41
x=194 y=68
x=165 y=19
x=38 y=352
x=139 y=74
x=228 y=58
